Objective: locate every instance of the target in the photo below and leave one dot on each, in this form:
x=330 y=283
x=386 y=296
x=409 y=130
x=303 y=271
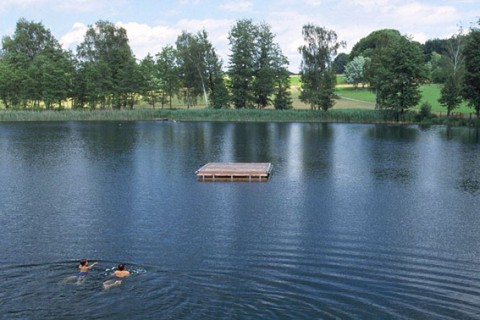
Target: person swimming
x=118 y=275
x=83 y=269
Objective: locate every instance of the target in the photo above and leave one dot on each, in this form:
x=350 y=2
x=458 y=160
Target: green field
x=364 y=98
x=431 y=94
x=349 y=98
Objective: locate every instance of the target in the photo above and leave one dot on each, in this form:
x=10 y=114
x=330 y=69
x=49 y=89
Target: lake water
x=357 y=221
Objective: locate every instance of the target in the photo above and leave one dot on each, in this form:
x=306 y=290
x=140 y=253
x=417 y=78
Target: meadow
x=363 y=98
x=352 y=105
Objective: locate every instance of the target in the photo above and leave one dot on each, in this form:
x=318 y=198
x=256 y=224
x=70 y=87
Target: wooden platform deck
x=235 y=171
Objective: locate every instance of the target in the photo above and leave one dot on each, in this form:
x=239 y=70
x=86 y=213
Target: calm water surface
x=357 y=221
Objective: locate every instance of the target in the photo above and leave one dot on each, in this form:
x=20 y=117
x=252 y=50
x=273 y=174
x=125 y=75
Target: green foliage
x=451 y=94
x=425 y=111
x=471 y=91
x=374 y=42
x=219 y=94
x=191 y=50
x=438 y=46
x=355 y=71
x=401 y=71
x=109 y=71
x=340 y=62
x=252 y=115
x=258 y=69
x=283 y=97
x=34 y=67
x=317 y=76
x=438 y=65
x=167 y=70
x=241 y=70
x=431 y=93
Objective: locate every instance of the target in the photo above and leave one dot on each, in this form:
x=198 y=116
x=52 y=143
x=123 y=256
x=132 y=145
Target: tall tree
x=375 y=41
x=402 y=72
x=282 y=94
x=471 y=90
x=106 y=48
x=192 y=53
x=355 y=71
x=375 y=47
x=317 y=75
x=9 y=82
x=440 y=46
x=242 y=66
x=455 y=67
x=53 y=71
x=340 y=62
x=218 y=92
x=167 y=73
x=39 y=64
x=150 y=84
x=257 y=67
x=263 y=85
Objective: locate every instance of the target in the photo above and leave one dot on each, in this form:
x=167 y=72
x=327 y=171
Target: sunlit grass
x=341 y=115
x=358 y=94
x=352 y=105
x=431 y=94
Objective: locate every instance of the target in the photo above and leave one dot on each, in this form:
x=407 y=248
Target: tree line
x=36 y=72
x=393 y=67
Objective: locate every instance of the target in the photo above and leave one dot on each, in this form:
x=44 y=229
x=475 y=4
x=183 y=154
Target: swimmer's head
x=121 y=267
x=83 y=262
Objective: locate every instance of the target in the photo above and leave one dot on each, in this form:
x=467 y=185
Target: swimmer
x=118 y=275
x=83 y=269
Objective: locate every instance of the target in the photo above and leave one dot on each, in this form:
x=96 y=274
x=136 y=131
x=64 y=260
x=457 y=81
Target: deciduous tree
x=355 y=71
x=454 y=70
x=317 y=75
x=471 y=90
x=167 y=73
x=242 y=66
x=39 y=68
x=402 y=71
x=110 y=64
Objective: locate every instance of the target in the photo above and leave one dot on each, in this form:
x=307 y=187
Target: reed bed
x=244 y=115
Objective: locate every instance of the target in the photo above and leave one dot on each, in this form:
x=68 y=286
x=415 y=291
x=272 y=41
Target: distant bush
x=425 y=112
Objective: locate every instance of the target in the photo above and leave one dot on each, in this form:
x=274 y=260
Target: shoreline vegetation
x=386 y=78
x=241 y=115
x=353 y=105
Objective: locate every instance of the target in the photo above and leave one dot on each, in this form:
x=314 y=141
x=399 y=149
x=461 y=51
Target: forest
x=36 y=73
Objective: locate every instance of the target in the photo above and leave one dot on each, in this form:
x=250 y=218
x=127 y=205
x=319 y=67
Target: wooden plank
x=258 y=171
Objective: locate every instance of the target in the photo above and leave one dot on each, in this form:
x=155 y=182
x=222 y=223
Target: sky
x=153 y=24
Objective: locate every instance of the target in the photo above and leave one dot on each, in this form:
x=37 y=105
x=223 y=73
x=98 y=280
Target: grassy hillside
x=364 y=98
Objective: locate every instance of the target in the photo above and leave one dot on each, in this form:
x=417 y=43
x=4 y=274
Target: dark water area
x=357 y=221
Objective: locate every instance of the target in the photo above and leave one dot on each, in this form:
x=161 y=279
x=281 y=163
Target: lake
x=356 y=221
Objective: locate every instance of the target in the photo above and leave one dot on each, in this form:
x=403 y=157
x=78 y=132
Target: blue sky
x=153 y=24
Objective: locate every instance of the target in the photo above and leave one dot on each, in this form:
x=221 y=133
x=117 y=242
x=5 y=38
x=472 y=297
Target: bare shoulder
x=122 y=274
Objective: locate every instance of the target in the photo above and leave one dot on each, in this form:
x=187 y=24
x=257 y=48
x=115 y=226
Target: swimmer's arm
x=92 y=265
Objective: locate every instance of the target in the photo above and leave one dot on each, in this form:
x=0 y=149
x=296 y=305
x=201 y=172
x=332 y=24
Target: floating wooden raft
x=240 y=171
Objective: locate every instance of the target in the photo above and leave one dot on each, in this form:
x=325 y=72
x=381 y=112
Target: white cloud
x=64 y=6
x=313 y=2
x=74 y=36
x=146 y=39
x=188 y=2
x=237 y=6
x=217 y=32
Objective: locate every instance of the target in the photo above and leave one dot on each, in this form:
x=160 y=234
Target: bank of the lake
x=244 y=115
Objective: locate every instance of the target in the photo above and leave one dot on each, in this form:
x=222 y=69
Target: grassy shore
x=341 y=115
x=353 y=105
